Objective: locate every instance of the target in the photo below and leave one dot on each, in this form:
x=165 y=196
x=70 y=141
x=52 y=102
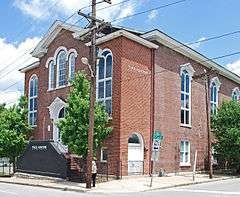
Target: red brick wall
x=131 y=97
x=135 y=98
x=167 y=109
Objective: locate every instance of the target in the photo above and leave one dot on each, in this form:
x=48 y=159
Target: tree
x=74 y=127
x=14 y=129
x=226 y=128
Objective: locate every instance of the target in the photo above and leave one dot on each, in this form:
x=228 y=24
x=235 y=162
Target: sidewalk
x=126 y=185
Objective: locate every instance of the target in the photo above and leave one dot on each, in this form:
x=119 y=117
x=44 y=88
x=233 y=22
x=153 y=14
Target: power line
x=24 y=29
x=27 y=52
x=150 y=10
x=15 y=83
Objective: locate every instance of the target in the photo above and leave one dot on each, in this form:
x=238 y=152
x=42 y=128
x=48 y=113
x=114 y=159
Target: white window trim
x=57 y=75
x=101 y=159
x=49 y=75
x=69 y=64
x=218 y=85
x=182 y=164
x=189 y=69
x=104 y=79
x=33 y=97
x=236 y=90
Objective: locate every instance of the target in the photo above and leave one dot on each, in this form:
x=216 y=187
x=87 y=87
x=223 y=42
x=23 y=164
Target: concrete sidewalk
x=126 y=185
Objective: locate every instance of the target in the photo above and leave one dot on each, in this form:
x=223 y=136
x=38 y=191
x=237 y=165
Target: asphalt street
x=225 y=188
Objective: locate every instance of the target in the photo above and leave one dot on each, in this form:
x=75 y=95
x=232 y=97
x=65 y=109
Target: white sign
x=156 y=144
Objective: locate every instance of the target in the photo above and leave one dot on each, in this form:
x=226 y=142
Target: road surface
x=227 y=188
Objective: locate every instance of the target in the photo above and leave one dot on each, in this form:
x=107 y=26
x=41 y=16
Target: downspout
x=152 y=108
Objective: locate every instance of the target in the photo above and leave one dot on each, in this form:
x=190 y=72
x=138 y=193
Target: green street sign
x=157 y=135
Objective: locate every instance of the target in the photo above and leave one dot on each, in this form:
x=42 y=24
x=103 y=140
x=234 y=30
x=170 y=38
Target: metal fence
x=6 y=168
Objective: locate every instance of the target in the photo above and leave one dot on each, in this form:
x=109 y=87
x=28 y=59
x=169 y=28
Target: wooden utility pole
x=206 y=76
x=208 y=113
x=92 y=63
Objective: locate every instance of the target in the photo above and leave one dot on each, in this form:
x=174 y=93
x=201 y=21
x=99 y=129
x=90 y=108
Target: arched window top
x=61 y=113
x=187 y=69
x=214 y=87
x=215 y=82
x=57 y=52
x=134 y=139
x=33 y=86
x=32 y=100
x=49 y=60
x=106 y=52
x=62 y=55
x=72 y=52
x=51 y=76
x=71 y=63
x=61 y=68
x=235 y=94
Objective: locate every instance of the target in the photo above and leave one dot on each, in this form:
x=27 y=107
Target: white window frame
x=50 y=80
x=58 y=67
x=237 y=92
x=71 y=55
x=104 y=99
x=185 y=150
x=217 y=83
x=35 y=96
x=102 y=149
x=190 y=72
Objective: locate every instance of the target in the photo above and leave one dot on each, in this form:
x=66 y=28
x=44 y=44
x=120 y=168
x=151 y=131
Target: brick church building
x=146 y=81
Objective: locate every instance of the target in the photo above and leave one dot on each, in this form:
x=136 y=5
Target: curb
x=44 y=186
x=192 y=183
x=146 y=190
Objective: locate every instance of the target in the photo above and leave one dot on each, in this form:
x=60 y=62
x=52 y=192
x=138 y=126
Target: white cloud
x=11 y=60
x=197 y=44
x=234 y=67
x=152 y=15
x=43 y=9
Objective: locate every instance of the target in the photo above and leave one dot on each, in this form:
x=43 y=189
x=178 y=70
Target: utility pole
x=92 y=62
x=208 y=113
x=206 y=76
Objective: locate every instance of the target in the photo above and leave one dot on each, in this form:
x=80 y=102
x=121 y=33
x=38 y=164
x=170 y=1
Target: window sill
x=33 y=126
x=186 y=125
x=185 y=165
x=103 y=161
x=60 y=87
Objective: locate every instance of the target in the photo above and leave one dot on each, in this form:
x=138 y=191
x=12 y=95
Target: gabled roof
x=166 y=40
x=52 y=33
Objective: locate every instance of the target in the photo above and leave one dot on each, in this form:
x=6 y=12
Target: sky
x=24 y=22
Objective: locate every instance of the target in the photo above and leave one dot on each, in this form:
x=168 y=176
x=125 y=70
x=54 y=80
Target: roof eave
x=126 y=34
x=191 y=53
x=29 y=67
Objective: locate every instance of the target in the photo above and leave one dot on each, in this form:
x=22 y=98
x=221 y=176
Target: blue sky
x=24 y=22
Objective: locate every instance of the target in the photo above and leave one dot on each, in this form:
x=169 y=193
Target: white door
x=135 y=154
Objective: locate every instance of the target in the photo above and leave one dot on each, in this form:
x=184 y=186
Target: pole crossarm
x=98 y=27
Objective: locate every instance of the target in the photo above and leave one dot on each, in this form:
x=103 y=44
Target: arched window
x=32 y=105
x=72 y=62
x=185 y=98
x=61 y=113
x=235 y=94
x=62 y=69
x=215 y=85
x=134 y=139
x=51 y=81
x=104 y=81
